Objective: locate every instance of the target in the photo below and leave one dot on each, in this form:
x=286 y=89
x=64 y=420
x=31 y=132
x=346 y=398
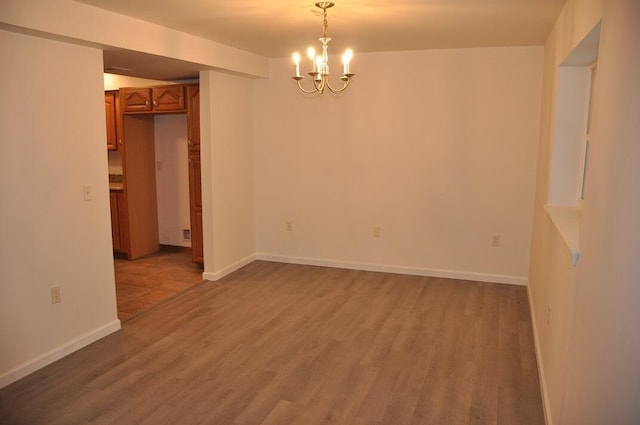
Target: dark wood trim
x=174 y=248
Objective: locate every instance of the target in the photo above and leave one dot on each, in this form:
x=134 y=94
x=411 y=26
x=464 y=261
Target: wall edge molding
x=49 y=357
x=213 y=276
x=416 y=271
x=541 y=376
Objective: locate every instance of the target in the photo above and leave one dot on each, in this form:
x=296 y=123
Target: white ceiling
x=277 y=28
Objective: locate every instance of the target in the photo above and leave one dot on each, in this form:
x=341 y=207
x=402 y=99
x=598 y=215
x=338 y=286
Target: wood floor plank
x=296 y=345
x=281 y=414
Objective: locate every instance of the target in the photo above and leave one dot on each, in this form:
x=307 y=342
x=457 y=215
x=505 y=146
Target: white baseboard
x=541 y=375
x=45 y=359
x=228 y=270
x=450 y=274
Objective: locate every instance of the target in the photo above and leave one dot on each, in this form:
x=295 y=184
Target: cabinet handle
x=146 y=103
x=155 y=103
x=189 y=142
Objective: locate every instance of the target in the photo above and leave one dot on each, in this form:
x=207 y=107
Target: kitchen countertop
x=115 y=182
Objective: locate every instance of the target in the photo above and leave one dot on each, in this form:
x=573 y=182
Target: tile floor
x=146 y=282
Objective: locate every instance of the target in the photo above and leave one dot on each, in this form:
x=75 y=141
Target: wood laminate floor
x=278 y=344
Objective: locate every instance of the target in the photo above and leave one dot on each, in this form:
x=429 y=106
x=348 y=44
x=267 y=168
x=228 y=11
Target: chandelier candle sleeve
x=346 y=58
x=320 y=63
x=319 y=68
x=296 y=60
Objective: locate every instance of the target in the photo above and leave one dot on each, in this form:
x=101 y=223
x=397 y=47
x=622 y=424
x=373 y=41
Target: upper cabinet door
x=136 y=100
x=168 y=98
x=110 y=116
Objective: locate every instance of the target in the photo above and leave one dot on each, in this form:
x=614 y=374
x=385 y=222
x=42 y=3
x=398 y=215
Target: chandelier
x=320 y=64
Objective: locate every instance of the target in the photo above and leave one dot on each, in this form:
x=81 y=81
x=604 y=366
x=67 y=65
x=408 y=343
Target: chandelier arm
x=337 y=91
x=315 y=90
x=320 y=84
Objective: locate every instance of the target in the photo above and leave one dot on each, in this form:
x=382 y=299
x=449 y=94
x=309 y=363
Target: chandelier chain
x=325 y=24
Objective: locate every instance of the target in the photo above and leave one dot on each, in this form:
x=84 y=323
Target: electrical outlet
x=496 y=240
x=289 y=226
x=186 y=234
x=56 y=295
x=376 y=232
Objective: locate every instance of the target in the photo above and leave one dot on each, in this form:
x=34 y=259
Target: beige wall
x=227 y=172
x=603 y=374
x=585 y=317
x=54 y=144
x=80 y=23
x=552 y=277
x=437 y=148
x=172 y=178
x=115 y=82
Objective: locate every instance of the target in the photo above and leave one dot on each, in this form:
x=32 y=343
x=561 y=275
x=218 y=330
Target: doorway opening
x=154 y=209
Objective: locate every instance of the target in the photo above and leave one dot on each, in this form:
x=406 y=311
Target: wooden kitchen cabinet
x=195 y=186
x=115 y=221
x=195 y=208
x=168 y=98
x=119 y=221
x=157 y=99
x=110 y=102
x=193 y=116
x=139 y=180
x=136 y=100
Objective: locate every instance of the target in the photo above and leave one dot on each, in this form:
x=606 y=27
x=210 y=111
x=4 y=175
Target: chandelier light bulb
x=296 y=60
x=346 y=59
x=311 y=53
